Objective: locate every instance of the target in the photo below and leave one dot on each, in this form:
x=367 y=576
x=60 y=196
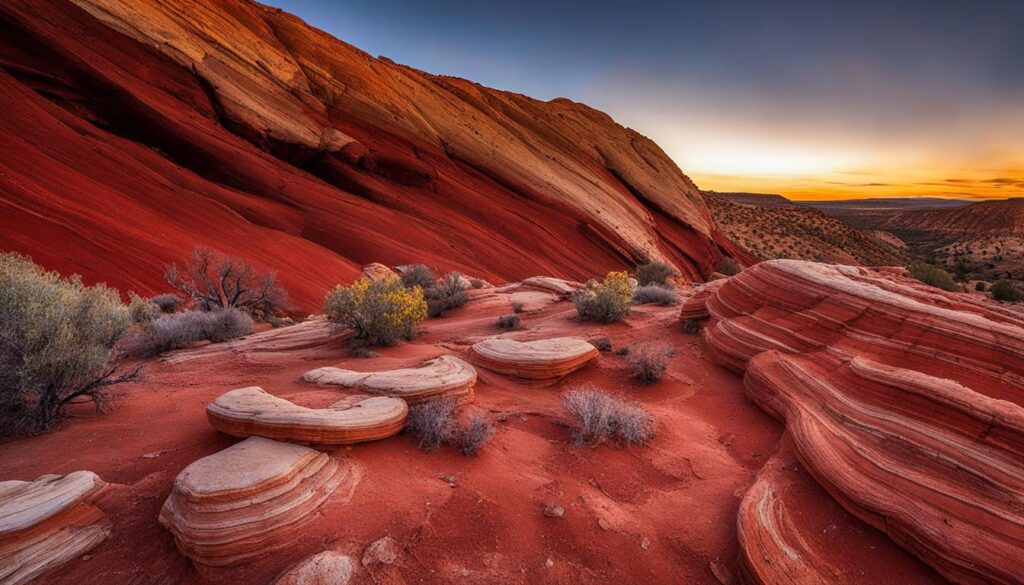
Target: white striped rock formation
x=544 y=360
x=442 y=377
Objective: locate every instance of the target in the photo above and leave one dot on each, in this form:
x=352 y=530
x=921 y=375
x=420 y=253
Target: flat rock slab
x=544 y=360
x=254 y=412
x=48 y=522
x=251 y=498
x=445 y=376
x=551 y=284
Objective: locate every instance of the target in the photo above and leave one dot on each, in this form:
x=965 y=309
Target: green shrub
x=605 y=302
x=933 y=276
x=57 y=339
x=380 y=312
x=141 y=310
x=1004 y=290
x=511 y=321
x=655 y=272
x=167 y=302
x=979 y=286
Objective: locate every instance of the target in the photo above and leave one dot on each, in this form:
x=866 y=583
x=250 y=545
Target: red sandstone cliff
x=136 y=130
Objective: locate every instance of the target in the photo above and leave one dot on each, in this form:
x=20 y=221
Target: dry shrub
x=599 y=417
x=432 y=423
x=57 y=339
x=1004 y=290
x=142 y=310
x=602 y=343
x=471 y=435
x=655 y=294
x=168 y=303
x=218 y=281
x=179 y=330
x=509 y=322
x=691 y=326
x=648 y=362
x=655 y=272
x=729 y=266
x=418 y=275
x=445 y=295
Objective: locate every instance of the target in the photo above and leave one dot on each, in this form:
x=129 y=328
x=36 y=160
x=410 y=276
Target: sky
x=813 y=99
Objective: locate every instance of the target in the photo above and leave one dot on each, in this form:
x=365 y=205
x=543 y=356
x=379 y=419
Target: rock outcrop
x=542 y=361
x=325 y=568
x=558 y=286
x=242 y=127
x=47 y=522
x=696 y=306
x=445 y=376
x=904 y=402
x=251 y=498
x=252 y=412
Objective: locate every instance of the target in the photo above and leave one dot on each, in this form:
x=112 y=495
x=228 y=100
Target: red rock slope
x=904 y=402
x=135 y=130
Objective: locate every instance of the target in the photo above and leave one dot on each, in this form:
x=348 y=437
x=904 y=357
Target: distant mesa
x=251 y=498
x=442 y=377
x=251 y=411
x=541 y=361
x=48 y=522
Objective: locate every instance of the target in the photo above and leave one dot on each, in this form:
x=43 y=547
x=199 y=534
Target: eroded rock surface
x=254 y=412
x=250 y=498
x=543 y=360
x=47 y=522
x=444 y=376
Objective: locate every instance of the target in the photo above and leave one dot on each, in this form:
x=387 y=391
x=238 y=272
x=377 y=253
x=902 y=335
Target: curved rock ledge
x=544 y=360
x=250 y=498
x=550 y=284
x=48 y=522
x=696 y=307
x=935 y=465
x=253 y=412
x=444 y=376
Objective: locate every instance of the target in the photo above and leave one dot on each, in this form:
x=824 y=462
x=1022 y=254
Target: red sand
x=660 y=513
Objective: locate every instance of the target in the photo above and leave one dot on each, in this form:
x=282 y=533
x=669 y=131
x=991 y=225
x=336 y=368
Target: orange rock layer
x=248 y=499
x=48 y=522
x=138 y=129
x=903 y=401
x=253 y=412
x=542 y=361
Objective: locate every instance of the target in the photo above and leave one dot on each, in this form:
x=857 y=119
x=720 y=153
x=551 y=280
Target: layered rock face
x=253 y=412
x=48 y=522
x=238 y=126
x=542 y=361
x=446 y=376
x=248 y=499
x=903 y=401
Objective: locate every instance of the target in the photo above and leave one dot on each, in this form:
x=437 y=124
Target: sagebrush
x=605 y=302
x=180 y=330
x=649 y=361
x=418 y=275
x=655 y=294
x=57 y=344
x=1004 y=290
x=598 y=417
x=655 y=272
x=432 y=423
x=511 y=321
x=448 y=293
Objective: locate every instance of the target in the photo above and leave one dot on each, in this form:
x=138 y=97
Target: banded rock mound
x=904 y=402
x=251 y=498
x=696 y=306
x=253 y=412
x=444 y=376
x=48 y=522
x=543 y=361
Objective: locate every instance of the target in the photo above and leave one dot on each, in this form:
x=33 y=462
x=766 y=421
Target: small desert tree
x=57 y=340
x=218 y=281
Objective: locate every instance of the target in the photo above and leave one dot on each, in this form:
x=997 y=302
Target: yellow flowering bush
x=381 y=312
x=605 y=302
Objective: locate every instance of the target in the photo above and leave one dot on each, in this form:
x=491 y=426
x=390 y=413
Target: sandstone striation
x=555 y=285
x=544 y=360
x=903 y=401
x=242 y=127
x=696 y=306
x=253 y=412
x=47 y=522
x=251 y=498
x=445 y=376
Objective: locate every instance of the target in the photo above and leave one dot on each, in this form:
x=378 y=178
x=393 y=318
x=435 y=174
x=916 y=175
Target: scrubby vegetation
x=217 y=281
x=432 y=423
x=167 y=303
x=509 y=322
x=602 y=344
x=729 y=266
x=648 y=361
x=57 y=344
x=599 y=417
x=606 y=302
x=979 y=286
x=655 y=294
x=691 y=326
x=517 y=307
x=418 y=275
x=142 y=310
x=380 y=312
x=1004 y=290
x=180 y=330
x=654 y=272
x=446 y=294
x=933 y=276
